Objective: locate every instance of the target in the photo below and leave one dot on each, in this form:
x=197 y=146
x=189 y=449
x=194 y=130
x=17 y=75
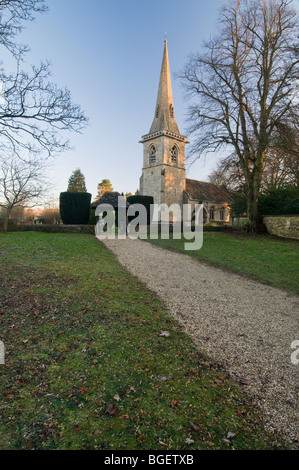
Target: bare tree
x=22 y=184
x=228 y=173
x=13 y=13
x=34 y=113
x=51 y=215
x=287 y=144
x=245 y=81
x=279 y=169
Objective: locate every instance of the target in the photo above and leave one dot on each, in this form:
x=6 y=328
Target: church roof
x=164 y=119
x=109 y=197
x=208 y=192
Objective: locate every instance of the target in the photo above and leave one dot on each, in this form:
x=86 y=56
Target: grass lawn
x=267 y=259
x=86 y=367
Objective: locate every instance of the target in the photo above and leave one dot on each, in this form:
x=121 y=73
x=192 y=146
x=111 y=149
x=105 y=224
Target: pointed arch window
x=157 y=111
x=153 y=155
x=174 y=154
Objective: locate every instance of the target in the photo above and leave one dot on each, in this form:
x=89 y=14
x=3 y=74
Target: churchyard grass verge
x=87 y=365
x=267 y=259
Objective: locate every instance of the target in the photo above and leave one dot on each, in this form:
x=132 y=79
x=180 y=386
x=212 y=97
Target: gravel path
x=244 y=325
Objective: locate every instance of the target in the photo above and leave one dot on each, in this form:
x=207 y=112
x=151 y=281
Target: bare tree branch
x=13 y=14
x=22 y=184
x=243 y=85
x=34 y=113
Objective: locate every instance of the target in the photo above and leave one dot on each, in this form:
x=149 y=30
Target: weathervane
x=165 y=36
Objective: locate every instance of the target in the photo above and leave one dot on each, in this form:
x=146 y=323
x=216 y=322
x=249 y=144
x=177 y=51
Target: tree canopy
x=104 y=186
x=76 y=182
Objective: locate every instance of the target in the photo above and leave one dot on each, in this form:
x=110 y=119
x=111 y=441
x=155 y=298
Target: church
x=164 y=173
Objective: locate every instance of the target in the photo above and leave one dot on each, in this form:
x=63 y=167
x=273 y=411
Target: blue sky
x=108 y=53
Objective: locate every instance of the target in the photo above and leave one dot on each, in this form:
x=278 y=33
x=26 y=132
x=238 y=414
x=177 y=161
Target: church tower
x=163 y=173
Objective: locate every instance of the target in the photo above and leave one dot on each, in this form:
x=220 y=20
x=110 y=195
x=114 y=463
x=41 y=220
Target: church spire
x=164 y=119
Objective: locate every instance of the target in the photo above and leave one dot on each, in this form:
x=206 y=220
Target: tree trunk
x=252 y=210
x=6 y=219
x=252 y=201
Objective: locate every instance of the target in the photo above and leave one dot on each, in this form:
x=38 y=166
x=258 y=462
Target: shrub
x=92 y=217
x=275 y=201
x=280 y=201
x=216 y=228
x=75 y=208
x=239 y=206
x=146 y=201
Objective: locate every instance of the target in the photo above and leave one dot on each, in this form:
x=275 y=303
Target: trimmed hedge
x=146 y=201
x=75 y=208
x=92 y=216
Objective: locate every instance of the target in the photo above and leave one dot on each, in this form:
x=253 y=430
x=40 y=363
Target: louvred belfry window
x=174 y=154
x=152 y=155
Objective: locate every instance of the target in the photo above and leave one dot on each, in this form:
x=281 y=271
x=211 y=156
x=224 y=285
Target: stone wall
x=283 y=225
x=90 y=229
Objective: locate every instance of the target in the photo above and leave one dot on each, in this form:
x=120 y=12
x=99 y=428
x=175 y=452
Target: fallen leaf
x=116 y=397
x=166 y=334
x=174 y=403
x=189 y=441
x=163 y=378
x=195 y=426
x=112 y=410
x=226 y=441
x=162 y=443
